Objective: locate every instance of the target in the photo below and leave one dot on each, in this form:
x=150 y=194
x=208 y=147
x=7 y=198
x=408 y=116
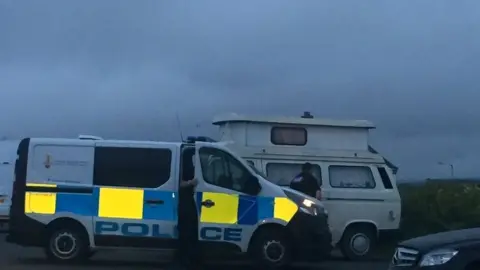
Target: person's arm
x=314 y=186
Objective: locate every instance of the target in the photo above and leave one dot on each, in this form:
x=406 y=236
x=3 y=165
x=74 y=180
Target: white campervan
x=358 y=185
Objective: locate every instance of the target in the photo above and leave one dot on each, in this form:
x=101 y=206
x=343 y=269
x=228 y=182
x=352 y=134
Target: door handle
x=154 y=201
x=208 y=203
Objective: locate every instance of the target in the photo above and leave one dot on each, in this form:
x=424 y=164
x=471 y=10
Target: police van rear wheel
x=271 y=250
x=66 y=246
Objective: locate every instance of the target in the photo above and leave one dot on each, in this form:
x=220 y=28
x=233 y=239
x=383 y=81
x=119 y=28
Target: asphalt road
x=15 y=257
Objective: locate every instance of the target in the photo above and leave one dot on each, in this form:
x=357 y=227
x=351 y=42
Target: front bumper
x=446 y=266
x=311 y=237
x=460 y=261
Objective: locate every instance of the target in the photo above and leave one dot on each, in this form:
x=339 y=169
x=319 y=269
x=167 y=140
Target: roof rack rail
x=192 y=139
x=89 y=137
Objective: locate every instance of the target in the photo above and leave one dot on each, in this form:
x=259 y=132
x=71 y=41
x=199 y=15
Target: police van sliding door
x=136 y=203
x=227 y=215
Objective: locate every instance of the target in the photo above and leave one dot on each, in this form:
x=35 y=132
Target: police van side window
x=351 y=177
x=221 y=169
x=131 y=167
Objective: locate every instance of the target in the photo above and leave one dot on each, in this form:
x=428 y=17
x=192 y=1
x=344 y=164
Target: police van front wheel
x=271 y=249
x=67 y=246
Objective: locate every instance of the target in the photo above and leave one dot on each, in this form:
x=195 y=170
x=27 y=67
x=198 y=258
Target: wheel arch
x=68 y=222
x=361 y=223
x=268 y=227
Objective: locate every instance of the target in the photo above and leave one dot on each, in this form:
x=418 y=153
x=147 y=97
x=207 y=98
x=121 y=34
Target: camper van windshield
x=257 y=171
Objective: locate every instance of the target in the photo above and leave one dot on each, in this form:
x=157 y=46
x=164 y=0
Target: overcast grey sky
x=124 y=68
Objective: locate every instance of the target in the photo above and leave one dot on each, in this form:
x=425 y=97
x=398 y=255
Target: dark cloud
x=126 y=68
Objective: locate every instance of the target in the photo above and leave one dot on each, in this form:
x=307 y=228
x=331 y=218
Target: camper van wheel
x=357 y=242
x=67 y=245
x=271 y=249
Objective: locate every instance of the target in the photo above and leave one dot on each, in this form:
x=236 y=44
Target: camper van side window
x=351 y=177
x=288 y=136
x=387 y=183
x=131 y=167
x=221 y=169
x=283 y=173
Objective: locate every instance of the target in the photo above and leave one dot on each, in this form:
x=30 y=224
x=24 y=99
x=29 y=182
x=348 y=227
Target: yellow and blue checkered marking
x=100 y=201
x=78 y=204
x=127 y=203
x=244 y=209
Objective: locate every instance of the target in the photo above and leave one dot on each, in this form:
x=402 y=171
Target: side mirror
x=252 y=186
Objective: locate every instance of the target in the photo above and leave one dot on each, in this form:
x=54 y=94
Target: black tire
x=67 y=245
x=270 y=249
x=358 y=243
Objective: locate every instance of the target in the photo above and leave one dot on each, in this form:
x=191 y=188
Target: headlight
x=438 y=257
x=305 y=205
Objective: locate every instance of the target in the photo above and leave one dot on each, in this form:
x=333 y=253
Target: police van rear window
x=132 y=167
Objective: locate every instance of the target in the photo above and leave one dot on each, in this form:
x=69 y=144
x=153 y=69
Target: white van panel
x=6 y=186
x=72 y=164
x=319 y=137
x=347 y=204
x=8 y=155
x=351 y=204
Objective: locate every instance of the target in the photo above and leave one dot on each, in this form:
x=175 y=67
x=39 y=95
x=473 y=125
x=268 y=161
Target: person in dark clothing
x=306 y=183
x=188 y=252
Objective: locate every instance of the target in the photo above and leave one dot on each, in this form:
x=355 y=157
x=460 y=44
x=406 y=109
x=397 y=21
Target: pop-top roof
x=233 y=117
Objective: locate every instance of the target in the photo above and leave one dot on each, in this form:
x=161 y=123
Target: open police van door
x=241 y=211
x=226 y=196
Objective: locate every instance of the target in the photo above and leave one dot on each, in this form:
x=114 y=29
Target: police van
x=75 y=196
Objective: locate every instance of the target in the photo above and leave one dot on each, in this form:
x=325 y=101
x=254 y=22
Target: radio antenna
x=179 y=126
